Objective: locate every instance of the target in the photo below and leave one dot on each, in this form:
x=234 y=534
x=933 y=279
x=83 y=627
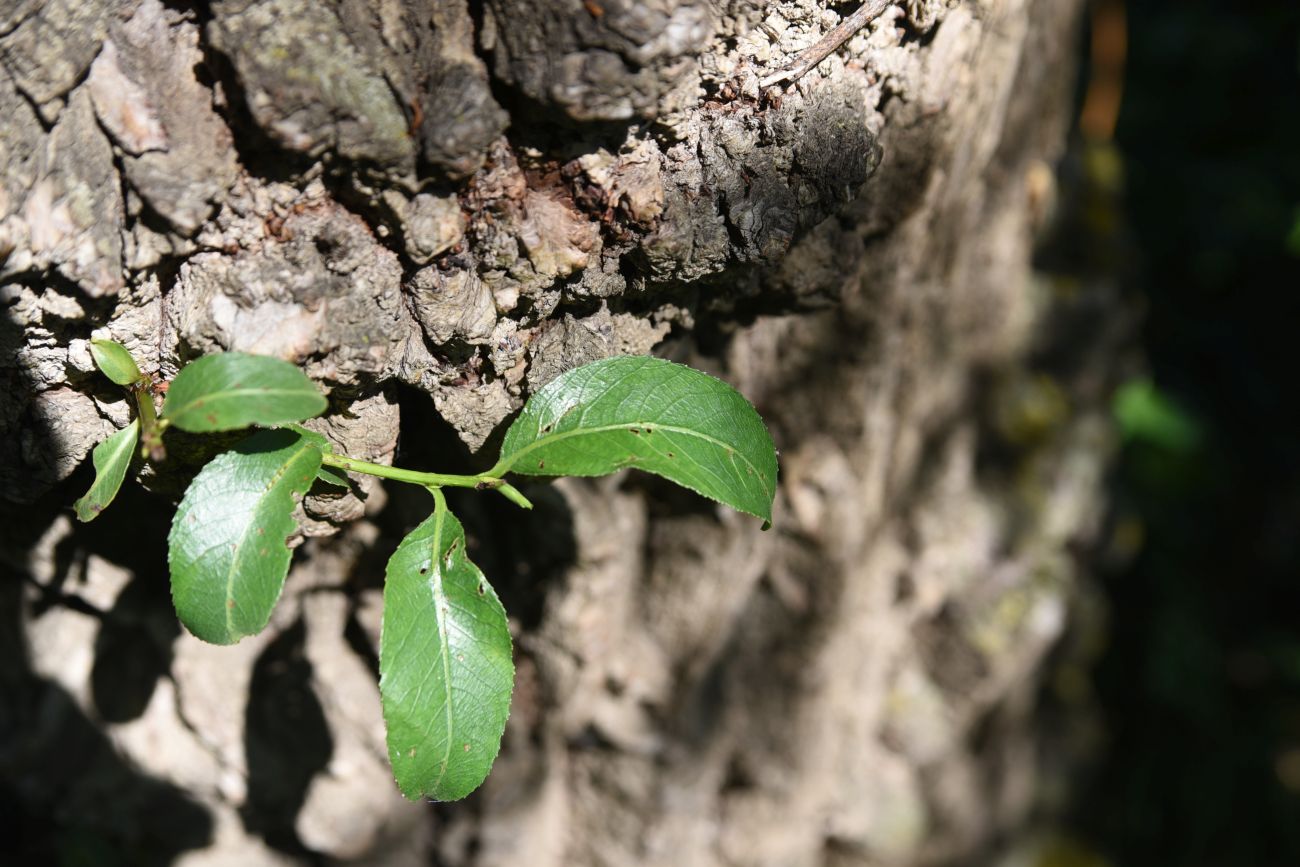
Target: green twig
x=150 y=427
x=428 y=480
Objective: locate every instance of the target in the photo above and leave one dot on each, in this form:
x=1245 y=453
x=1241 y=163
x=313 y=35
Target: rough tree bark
x=434 y=206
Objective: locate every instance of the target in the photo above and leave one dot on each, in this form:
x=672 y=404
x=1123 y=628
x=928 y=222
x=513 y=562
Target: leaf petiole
x=480 y=482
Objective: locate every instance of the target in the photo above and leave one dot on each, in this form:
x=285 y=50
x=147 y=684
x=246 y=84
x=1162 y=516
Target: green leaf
x=111 y=459
x=115 y=361
x=445 y=663
x=227 y=548
x=331 y=477
x=651 y=414
x=233 y=390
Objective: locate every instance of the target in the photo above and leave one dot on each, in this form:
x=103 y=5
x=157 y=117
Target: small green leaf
x=227 y=548
x=111 y=459
x=115 y=361
x=233 y=390
x=445 y=663
x=651 y=414
x=331 y=477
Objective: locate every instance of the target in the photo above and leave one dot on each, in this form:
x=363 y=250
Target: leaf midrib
x=229 y=393
x=439 y=595
x=505 y=464
x=125 y=444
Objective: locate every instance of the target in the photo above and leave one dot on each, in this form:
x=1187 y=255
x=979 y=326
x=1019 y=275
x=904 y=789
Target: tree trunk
x=435 y=206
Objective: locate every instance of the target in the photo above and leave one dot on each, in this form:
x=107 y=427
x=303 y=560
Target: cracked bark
x=436 y=207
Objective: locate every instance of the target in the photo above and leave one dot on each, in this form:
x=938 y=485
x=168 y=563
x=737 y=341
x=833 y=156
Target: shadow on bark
x=521 y=553
x=133 y=647
x=65 y=794
x=132 y=651
x=286 y=740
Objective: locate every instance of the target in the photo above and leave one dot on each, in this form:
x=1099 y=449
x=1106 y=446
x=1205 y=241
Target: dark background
x=1200 y=679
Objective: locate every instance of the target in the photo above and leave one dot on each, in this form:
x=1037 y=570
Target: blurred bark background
x=434 y=206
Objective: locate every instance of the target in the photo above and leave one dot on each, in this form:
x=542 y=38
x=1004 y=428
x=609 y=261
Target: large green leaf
x=651 y=414
x=111 y=459
x=233 y=390
x=444 y=661
x=227 y=548
x=115 y=361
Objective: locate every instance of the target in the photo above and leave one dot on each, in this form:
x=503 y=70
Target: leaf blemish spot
x=541 y=465
x=466 y=747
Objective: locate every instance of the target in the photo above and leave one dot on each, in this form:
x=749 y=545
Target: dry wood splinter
x=823 y=48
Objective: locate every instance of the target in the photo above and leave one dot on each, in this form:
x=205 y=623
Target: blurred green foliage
x=1144 y=414
x=1201 y=682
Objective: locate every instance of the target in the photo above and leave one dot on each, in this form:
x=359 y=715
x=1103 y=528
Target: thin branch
x=822 y=49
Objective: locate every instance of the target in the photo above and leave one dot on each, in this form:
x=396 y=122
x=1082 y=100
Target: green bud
x=116 y=363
